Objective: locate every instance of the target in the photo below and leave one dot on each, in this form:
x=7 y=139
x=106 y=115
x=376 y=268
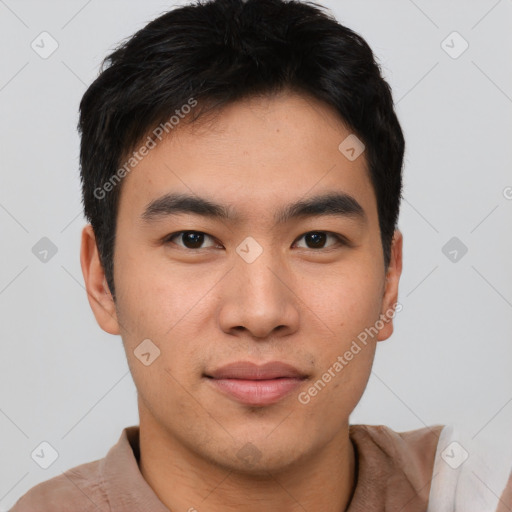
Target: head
x=264 y=131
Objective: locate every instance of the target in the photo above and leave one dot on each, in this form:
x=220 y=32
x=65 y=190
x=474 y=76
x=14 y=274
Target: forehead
x=255 y=156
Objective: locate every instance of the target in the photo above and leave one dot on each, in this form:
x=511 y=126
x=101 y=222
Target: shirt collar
x=388 y=478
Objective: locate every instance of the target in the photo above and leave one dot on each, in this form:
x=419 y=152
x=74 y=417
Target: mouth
x=256 y=385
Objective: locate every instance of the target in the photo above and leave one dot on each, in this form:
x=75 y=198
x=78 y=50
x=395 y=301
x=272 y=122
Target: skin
x=203 y=309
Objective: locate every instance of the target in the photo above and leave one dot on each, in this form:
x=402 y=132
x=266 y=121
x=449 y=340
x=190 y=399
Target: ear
x=98 y=293
x=390 y=296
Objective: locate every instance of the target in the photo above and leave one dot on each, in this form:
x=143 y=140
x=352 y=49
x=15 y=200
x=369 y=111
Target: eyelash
x=341 y=240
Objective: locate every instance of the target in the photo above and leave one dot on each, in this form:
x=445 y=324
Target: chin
x=259 y=458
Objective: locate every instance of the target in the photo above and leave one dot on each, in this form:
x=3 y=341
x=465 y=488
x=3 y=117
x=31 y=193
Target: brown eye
x=190 y=239
x=317 y=239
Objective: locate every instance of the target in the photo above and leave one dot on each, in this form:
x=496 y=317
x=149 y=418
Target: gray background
x=64 y=381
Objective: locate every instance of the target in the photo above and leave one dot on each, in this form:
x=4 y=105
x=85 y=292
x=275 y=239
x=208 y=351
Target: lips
x=256 y=385
x=251 y=371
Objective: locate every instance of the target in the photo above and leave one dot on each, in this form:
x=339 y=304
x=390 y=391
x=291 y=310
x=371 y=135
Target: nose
x=259 y=299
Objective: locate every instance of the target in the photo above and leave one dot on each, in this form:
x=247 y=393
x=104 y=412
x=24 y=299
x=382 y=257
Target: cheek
x=159 y=318
x=349 y=305
x=346 y=302
x=153 y=296
x=166 y=305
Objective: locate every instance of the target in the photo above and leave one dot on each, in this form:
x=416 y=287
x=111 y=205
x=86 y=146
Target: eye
x=190 y=239
x=317 y=239
x=196 y=239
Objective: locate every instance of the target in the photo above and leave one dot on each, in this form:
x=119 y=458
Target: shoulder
x=460 y=472
x=79 y=488
x=91 y=486
x=411 y=452
x=471 y=473
x=416 y=447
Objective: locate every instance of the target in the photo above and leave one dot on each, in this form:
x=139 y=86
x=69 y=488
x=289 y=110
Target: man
x=241 y=166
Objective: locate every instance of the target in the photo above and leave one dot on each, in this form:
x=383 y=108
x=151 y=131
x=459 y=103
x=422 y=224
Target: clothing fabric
x=395 y=471
x=470 y=476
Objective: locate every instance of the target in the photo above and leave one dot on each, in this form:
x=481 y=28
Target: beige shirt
x=394 y=473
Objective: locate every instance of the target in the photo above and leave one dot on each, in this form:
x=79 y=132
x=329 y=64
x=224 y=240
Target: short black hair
x=212 y=53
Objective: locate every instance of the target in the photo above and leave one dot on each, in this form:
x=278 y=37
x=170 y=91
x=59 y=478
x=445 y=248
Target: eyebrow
x=338 y=204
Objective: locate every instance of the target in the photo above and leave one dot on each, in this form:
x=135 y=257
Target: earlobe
x=390 y=297
x=98 y=293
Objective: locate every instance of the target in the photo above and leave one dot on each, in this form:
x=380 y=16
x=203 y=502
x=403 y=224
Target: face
x=249 y=281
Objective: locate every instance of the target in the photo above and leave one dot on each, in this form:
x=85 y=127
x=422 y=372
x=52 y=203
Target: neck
x=183 y=480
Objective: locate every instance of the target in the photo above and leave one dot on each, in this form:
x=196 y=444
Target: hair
x=217 y=52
